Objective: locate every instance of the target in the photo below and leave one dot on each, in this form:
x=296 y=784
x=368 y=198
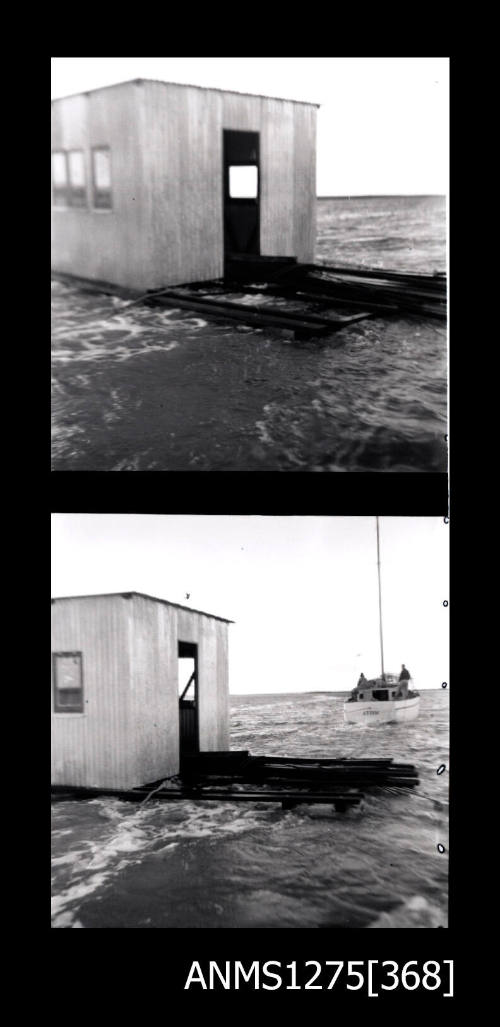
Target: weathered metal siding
x=287 y=169
x=166 y=224
x=154 y=730
x=181 y=137
x=93 y=748
x=304 y=184
x=182 y=183
x=275 y=121
x=129 y=732
x=216 y=723
x=102 y=244
x=154 y=726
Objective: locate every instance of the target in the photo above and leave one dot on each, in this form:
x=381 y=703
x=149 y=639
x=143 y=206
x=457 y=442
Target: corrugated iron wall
x=107 y=245
x=154 y=727
x=129 y=732
x=304 y=183
x=93 y=748
x=182 y=130
x=182 y=183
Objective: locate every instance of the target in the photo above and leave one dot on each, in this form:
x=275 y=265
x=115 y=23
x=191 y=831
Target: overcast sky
x=302 y=590
x=383 y=122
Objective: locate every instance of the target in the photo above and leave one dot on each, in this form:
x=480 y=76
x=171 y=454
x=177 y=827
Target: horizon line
x=371 y=196
x=325 y=691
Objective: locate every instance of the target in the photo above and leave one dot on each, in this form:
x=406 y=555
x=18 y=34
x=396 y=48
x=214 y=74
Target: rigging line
x=380 y=600
x=157 y=789
x=431 y=798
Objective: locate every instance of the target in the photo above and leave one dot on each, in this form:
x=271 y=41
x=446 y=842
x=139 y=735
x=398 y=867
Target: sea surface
x=155 y=389
x=400 y=233
x=251 y=865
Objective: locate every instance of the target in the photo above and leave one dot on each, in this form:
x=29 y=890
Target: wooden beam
x=263 y=315
x=196 y=794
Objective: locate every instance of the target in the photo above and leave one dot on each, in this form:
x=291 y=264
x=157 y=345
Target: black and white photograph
x=249 y=264
x=250 y=722
x=252 y=711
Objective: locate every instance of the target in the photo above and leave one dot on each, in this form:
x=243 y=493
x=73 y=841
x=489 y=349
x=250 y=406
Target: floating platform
x=237 y=776
x=372 y=289
x=307 y=300
x=213 y=302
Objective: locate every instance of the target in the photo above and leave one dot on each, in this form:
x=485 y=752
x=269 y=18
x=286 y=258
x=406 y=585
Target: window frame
x=59 y=191
x=70 y=196
x=254 y=197
x=98 y=193
x=77 y=194
x=64 y=708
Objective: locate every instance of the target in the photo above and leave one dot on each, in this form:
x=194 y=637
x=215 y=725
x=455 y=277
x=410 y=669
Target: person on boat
x=405 y=674
x=362 y=681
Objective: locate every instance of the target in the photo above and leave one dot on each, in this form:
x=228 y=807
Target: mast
x=380 y=601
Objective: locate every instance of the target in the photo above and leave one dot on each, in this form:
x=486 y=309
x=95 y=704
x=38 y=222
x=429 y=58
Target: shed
x=155 y=183
x=137 y=682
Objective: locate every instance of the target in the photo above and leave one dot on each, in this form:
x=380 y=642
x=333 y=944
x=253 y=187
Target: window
x=381 y=694
x=59 y=179
x=101 y=177
x=76 y=176
x=187 y=670
x=243 y=182
x=68 y=682
x=68 y=178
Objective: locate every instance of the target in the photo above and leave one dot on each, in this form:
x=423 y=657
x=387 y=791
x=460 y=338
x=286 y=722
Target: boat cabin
x=380 y=689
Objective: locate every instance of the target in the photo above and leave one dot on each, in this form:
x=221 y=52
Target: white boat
x=386 y=698
x=382 y=700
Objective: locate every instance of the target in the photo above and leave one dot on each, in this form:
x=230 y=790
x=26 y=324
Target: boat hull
x=377 y=712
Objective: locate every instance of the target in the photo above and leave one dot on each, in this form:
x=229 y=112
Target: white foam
x=122 y=336
x=132 y=836
x=415 y=912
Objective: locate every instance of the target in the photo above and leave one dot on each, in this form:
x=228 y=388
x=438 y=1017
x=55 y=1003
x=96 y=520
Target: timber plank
x=261 y=315
x=197 y=793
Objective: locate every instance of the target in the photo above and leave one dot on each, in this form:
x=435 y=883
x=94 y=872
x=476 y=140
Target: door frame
x=190 y=650
x=240 y=201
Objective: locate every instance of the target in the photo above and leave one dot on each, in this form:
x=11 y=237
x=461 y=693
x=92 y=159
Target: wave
x=129 y=836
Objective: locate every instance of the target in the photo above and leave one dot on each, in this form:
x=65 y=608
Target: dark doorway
x=241 y=193
x=187 y=666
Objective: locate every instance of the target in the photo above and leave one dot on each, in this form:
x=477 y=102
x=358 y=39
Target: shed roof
x=187 y=85
x=155 y=599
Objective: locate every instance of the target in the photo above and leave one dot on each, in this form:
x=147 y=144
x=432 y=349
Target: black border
x=413 y=494
x=380 y=493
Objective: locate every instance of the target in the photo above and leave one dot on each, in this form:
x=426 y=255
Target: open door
x=187 y=665
x=241 y=193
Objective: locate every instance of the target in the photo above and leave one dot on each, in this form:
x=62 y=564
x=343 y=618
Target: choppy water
x=157 y=389
x=405 y=233
x=218 y=865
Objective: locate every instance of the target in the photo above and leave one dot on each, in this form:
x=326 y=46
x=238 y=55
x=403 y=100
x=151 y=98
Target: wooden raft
x=372 y=289
x=211 y=301
x=236 y=776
